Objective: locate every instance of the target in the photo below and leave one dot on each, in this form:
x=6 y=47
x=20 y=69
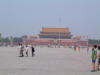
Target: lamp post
x=11 y=41
x=59 y=39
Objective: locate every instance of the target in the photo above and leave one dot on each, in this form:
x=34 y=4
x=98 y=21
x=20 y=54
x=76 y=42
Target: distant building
x=32 y=37
x=55 y=33
x=76 y=38
x=55 y=37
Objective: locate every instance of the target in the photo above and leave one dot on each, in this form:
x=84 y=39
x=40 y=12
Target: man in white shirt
x=26 y=50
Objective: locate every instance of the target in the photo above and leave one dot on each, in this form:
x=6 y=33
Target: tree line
x=11 y=39
x=93 y=41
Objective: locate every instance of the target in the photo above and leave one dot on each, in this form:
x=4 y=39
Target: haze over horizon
x=19 y=17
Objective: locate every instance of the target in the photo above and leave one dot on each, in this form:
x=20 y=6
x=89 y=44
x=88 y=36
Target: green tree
x=17 y=39
x=93 y=41
x=5 y=39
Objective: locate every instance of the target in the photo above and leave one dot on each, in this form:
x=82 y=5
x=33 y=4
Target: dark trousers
x=21 y=53
x=27 y=53
x=33 y=53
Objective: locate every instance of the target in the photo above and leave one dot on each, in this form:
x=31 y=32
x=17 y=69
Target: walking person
x=87 y=49
x=74 y=48
x=33 y=50
x=21 y=50
x=79 y=48
x=98 y=57
x=26 y=50
x=94 y=57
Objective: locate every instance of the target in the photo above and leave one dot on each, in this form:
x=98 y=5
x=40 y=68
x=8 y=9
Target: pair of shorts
x=93 y=61
x=99 y=61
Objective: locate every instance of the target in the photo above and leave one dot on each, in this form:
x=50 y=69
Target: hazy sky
x=19 y=17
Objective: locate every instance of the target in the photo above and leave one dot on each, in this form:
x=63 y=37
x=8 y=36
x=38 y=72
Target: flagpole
x=59 y=39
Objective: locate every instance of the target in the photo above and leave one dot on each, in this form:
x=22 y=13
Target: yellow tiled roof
x=55 y=30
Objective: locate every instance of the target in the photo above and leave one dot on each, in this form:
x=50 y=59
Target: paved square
x=47 y=61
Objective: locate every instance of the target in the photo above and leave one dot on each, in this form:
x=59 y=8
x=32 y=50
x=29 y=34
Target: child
x=98 y=55
x=94 y=57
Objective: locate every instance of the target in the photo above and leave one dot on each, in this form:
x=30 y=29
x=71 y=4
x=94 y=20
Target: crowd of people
x=95 y=58
x=24 y=50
